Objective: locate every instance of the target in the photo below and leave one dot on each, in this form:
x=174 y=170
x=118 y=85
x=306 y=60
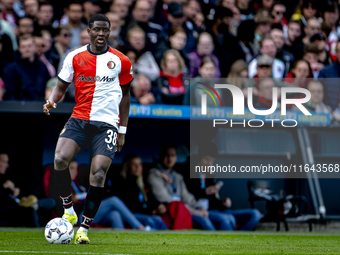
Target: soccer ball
x=59 y=231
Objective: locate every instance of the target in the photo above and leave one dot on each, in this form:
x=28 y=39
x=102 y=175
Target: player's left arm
x=124 y=109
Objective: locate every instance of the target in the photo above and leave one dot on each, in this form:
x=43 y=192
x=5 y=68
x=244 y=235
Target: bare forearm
x=58 y=92
x=124 y=109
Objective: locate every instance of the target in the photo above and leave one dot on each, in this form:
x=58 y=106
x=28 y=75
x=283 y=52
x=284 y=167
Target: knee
x=60 y=161
x=256 y=214
x=98 y=178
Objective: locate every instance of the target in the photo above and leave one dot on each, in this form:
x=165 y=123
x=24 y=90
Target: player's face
x=99 y=34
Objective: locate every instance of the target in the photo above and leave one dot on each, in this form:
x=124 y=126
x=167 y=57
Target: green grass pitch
x=106 y=241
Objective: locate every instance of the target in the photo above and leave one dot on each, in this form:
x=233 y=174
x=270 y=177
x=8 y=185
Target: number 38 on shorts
x=111 y=139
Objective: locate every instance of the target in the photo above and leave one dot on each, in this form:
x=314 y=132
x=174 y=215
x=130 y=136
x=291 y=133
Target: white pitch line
x=60 y=252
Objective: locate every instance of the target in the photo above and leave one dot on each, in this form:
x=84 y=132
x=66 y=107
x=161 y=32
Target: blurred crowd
x=247 y=42
x=156 y=196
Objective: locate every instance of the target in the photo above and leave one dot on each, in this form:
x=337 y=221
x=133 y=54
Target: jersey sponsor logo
x=111 y=64
x=81 y=63
x=96 y=78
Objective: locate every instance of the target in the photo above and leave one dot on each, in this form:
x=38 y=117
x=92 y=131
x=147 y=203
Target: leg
x=202 y=222
x=160 y=225
x=246 y=218
x=115 y=204
x=65 y=151
x=99 y=166
x=222 y=221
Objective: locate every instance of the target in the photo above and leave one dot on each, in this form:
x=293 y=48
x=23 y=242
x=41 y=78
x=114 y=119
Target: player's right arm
x=65 y=77
x=57 y=93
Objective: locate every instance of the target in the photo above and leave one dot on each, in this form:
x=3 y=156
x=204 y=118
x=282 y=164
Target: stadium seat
x=280 y=207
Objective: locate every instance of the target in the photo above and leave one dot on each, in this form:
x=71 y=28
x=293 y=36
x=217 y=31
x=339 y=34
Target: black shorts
x=100 y=136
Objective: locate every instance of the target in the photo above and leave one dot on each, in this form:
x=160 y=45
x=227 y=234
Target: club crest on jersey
x=81 y=64
x=111 y=64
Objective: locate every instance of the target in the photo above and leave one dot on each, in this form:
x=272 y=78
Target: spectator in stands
x=177 y=18
x=246 y=9
x=220 y=28
x=264 y=70
x=146 y=63
x=324 y=56
x=199 y=21
x=2 y=89
x=177 y=41
x=266 y=4
x=62 y=44
x=168 y=186
x=294 y=42
x=311 y=55
x=31 y=8
x=171 y=82
x=25 y=26
x=246 y=37
x=332 y=85
x=142 y=13
x=285 y=56
x=73 y=18
x=206 y=192
x=265 y=99
x=316 y=103
x=25 y=78
x=238 y=74
x=141 y=91
x=205 y=48
x=262 y=29
x=6 y=28
x=206 y=74
x=115 y=40
x=130 y=189
x=44 y=17
x=278 y=11
x=300 y=74
x=39 y=44
x=19 y=210
x=232 y=49
x=6 y=52
x=8 y=13
x=122 y=7
x=313 y=27
x=308 y=10
x=190 y=10
x=227 y=3
x=330 y=17
x=90 y=7
x=268 y=48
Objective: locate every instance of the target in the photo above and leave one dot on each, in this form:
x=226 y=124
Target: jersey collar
x=88 y=48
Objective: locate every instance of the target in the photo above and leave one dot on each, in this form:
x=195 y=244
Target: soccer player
x=102 y=78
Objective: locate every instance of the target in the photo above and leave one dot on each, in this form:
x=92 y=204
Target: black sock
x=92 y=202
x=63 y=183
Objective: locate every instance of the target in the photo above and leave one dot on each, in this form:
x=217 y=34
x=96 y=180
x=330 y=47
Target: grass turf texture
x=105 y=241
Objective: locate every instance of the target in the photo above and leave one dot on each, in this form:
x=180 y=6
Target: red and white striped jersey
x=97 y=80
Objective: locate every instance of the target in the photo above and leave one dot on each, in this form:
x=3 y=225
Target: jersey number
x=112 y=137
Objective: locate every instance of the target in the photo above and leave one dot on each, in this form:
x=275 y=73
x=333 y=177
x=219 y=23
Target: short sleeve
x=126 y=73
x=66 y=73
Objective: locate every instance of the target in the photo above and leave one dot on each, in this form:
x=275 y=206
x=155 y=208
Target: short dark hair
x=164 y=148
x=22 y=18
x=311 y=48
x=74 y=2
x=98 y=17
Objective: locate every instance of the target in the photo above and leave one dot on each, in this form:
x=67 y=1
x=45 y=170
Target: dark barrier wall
x=30 y=140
